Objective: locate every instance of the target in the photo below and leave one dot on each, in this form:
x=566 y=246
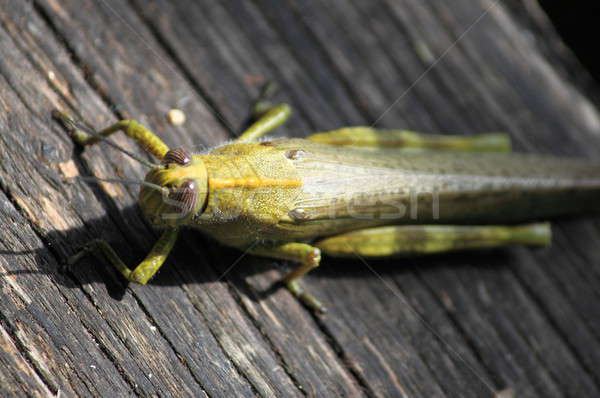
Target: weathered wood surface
x=467 y=325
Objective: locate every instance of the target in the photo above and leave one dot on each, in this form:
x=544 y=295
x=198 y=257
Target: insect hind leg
x=406 y=240
x=368 y=137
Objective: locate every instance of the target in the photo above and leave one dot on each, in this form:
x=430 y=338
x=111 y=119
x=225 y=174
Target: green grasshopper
x=355 y=191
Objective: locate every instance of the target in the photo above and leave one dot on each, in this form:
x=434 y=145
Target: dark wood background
x=493 y=324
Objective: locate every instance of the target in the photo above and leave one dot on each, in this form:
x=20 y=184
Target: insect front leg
x=308 y=256
x=145 y=270
x=363 y=136
x=131 y=128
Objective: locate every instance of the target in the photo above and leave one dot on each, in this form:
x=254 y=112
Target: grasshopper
x=354 y=191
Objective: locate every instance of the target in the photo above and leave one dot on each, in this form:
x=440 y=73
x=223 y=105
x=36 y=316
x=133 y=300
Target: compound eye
x=185 y=196
x=178 y=156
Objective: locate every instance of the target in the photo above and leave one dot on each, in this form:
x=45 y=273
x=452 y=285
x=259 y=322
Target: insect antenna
x=71 y=125
x=122 y=181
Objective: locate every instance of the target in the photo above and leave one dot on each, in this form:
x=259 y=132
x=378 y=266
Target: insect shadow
x=197 y=259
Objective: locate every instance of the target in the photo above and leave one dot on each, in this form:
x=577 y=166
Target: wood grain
x=212 y=323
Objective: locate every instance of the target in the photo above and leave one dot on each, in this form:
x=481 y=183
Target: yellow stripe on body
x=252 y=182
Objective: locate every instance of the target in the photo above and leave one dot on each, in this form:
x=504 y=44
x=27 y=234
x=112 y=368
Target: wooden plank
x=286 y=320
x=161 y=354
x=261 y=39
x=92 y=344
x=18 y=377
x=466 y=325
